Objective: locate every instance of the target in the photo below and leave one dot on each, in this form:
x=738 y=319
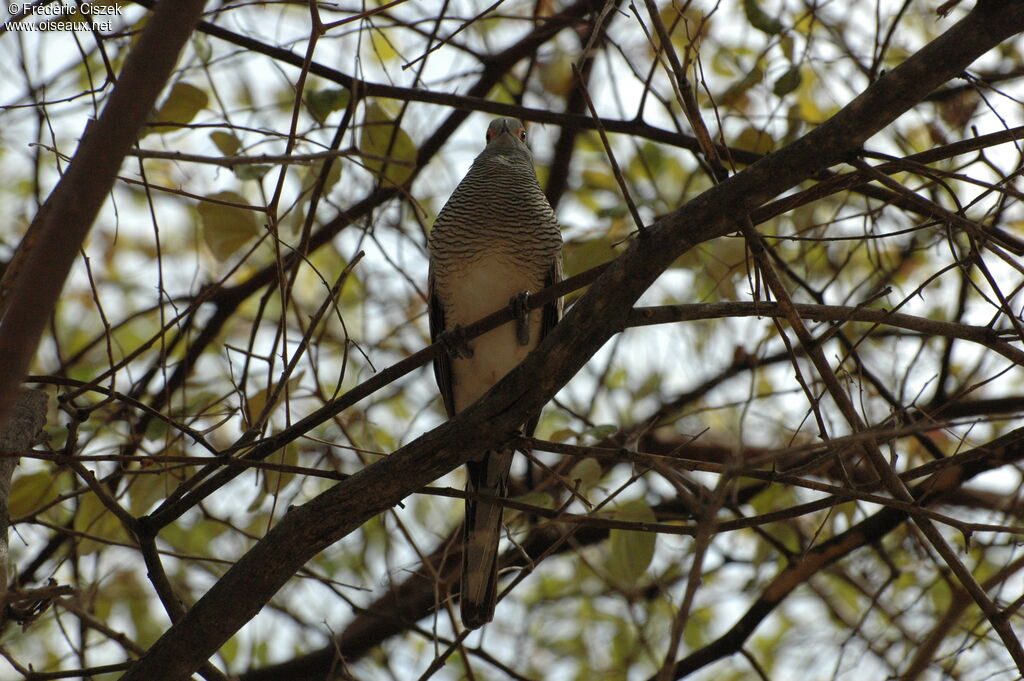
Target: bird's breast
x=474 y=289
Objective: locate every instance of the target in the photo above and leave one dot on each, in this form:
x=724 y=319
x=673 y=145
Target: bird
x=495 y=241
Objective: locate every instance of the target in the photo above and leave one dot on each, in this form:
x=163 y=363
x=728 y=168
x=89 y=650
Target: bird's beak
x=505 y=137
x=506 y=129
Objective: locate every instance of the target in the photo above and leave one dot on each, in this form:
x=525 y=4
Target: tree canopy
x=780 y=434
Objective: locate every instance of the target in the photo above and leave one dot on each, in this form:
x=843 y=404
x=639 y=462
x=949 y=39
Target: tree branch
x=53 y=240
x=306 y=530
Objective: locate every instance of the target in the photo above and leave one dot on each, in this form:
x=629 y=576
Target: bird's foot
x=454 y=341
x=520 y=313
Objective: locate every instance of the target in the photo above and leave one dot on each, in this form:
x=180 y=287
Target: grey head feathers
x=507 y=136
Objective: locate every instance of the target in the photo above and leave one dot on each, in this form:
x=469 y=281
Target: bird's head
x=506 y=134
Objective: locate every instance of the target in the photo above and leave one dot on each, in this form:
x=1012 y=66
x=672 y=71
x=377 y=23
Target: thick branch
x=305 y=531
x=55 y=237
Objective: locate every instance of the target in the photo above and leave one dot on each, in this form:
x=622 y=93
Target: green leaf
x=538 y=499
x=735 y=96
x=333 y=175
x=787 y=82
x=226 y=228
x=698 y=624
x=251 y=172
x=601 y=432
x=600 y=179
x=196 y=537
x=760 y=19
x=383 y=140
x=182 y=104
x=226 y=142
x=322 y=102
x=630 y=552
x=229 y=651
x=201 y=46
x=505 y=90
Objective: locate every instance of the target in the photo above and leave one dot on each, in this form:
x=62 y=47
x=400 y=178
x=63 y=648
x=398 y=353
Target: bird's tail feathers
x=489 y=476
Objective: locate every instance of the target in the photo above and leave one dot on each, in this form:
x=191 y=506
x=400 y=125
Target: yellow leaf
x=754 y=140
x=151 y=486
x=382 y=46
x=30 y=492
x=599 y=179
x=587 y=471
x=275 y=481
x=557 y=76
x=226 y=228
x=93 y=519
x=582 y=255
x=258 y=402
x=562 y=435
x=183 y=102
x=227 y=143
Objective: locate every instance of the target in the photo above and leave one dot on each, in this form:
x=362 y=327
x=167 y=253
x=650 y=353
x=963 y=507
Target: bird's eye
x=522 y=134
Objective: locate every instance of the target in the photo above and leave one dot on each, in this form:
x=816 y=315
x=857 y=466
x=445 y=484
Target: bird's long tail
x=488 y=476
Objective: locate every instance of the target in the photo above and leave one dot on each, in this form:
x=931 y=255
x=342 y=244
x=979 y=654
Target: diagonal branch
x=308 y=529
x=892 y=482
x=1001 y=451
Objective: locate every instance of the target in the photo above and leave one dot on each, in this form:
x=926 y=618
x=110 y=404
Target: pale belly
x=484 y=287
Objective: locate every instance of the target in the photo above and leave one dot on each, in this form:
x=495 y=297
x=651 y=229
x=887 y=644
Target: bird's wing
x=552 y=311
x=551 y=314
x=442 y=362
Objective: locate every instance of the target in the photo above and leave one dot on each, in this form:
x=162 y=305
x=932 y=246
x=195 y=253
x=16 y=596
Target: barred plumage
x=496 y=237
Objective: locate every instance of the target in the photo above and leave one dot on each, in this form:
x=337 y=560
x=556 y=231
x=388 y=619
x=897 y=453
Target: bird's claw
x=454 y=341
x=518 y=303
